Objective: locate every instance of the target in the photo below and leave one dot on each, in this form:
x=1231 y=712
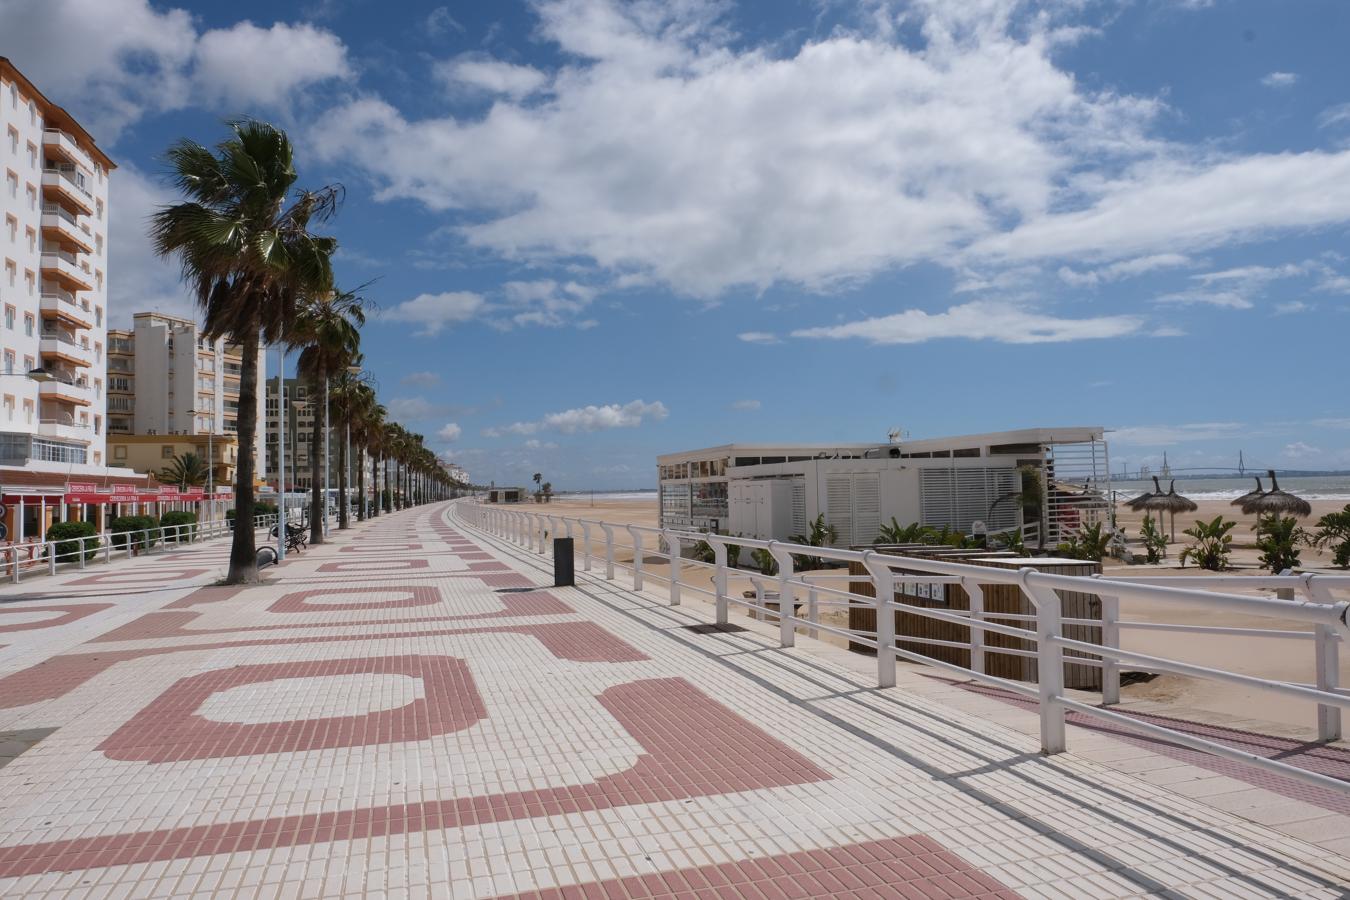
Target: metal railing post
x=720 y=578
x=637 y=557
x=1110 y=638
x=813 y=612
x=1328 y=662
x=976 y=594
x=1049 y=663
x=51 y=558
x=884 y=579
x=81 y=552
x=14 y=557
x=609 y=549
x=673 y=553
x=787 y=629
x=586 y=546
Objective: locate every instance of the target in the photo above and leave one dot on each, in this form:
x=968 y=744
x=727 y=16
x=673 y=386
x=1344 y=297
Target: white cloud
x=439 y=22
x=536 y=444
x=1160 y=435
x=1252 y=275
x=1290 y=307
x=1224 y=299
x=759 y=337
x=435 y=312
x=244 y=66
x=1335 y=284
x=544 y=302
x=1126 y=268
x=421 y=379
x=489 y=75
x=414 y=409
x=587 y=419
x=450 y=432
x=663 y=149
x=985 y=320
x=139 y=281
x=117 y=59
x=1300 y=450
x=746 y=405
x=1280 y=79
x=1334 y=116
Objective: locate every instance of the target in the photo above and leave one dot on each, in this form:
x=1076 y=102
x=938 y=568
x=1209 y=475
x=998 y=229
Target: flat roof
x=1052 y=435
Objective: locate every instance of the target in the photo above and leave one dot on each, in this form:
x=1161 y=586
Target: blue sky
x=601 y=230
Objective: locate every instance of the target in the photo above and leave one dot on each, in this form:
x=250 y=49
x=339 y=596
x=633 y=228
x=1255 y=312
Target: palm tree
x=368 y=415
x=349 y=393
x=329 y=330
x=250 y=261
x=188 y=469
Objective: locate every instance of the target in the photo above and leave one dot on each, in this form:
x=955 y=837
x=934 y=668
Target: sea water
x=1309 y=487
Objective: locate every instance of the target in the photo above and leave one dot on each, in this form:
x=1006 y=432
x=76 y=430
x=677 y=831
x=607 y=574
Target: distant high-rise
x=53 y=284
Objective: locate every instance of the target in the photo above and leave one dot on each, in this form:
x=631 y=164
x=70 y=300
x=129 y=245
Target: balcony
x=66 y=392
x=65 y=267
x=65 y=185
x=64 y=350
x=66 y=428
x=61 y=225
x=60 y=144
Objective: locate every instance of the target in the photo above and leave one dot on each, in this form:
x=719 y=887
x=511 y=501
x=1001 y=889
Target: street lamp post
x=299 y=407
x=353 y=372
x=210 y=462
x=327 y=459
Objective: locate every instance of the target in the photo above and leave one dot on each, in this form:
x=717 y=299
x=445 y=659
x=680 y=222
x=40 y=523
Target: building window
x=9 y=362
x=28 y=322
x=9 y=408
x=28 y=411
x=32 y=157
x=98 y=205
x=32 y=198
x=13 y=141
x=12 y=182
x=32 y=239
x=98 y=316
x=29 y=364
x=166 y=452
x=11 y=275
x=12 y=226
x=119 y=452
x=9 y=314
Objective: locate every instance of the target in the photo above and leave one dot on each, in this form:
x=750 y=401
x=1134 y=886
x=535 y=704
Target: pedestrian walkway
x=411 y=711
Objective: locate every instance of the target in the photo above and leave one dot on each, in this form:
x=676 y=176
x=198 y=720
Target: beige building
x=165 y=379
x=151 y=453
x=53 y=283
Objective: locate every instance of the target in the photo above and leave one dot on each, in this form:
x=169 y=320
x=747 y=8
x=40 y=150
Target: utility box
x=563 y=563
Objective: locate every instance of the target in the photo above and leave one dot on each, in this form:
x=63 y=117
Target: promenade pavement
x=410 y=711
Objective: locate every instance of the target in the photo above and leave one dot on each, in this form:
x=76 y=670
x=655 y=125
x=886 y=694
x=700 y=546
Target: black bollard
x=563 y=564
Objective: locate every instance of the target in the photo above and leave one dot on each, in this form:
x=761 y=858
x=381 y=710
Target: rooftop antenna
x=895 y=434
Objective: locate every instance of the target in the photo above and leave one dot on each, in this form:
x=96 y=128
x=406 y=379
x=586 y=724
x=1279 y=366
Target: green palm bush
x=1213 y=542
x=1333 y=531
x=1278 y=538
x=1155 y=542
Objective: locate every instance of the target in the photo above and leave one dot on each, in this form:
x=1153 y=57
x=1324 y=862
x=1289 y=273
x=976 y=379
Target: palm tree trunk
x=243 y=552
x=360 y=483
x=344 y=517
x=316 y=497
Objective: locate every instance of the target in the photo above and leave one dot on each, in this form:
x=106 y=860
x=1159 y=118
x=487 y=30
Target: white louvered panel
x=799 y=506
x=935 y=488
x=839 y=506
x=958 y=498
x=866 y=507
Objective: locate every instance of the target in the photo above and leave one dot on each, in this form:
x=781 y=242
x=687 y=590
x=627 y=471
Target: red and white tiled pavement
x=409 y=712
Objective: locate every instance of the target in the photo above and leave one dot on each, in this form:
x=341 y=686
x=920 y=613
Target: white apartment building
x=53 y=283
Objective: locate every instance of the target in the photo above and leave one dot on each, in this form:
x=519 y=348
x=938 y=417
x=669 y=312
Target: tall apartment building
x=301 y=406
x=164 y=378
x=53 y=284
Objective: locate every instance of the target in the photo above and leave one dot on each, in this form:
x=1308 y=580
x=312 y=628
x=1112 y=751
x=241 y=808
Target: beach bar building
x=1049 y=482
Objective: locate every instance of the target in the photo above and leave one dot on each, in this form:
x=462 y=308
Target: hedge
x=138 y=524
x=67 y=549
x=179 y=517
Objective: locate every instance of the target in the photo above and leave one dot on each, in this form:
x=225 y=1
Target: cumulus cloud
x=746 y=405
x=983 y=320
x=1280 y=79
x=449 y=432
x=490 y=76
x=245 y=66
x=588 y=419
x=1224 y=299
x=140 y=280
x=1290 y=307
x=1300 y=450
x=121 y=60
x=433 y=313
x=1126 y=268
x=544 y=302
x=421 y=379
x=759 y=337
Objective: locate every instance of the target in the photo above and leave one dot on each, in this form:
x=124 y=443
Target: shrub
x=137 y=526
x=1333 y=531
x=1155 y=542
x=67 y=549
x=1278 y=537
x=1090 y=543
x=1213 y=541
x=178 y=518
x=259 y=509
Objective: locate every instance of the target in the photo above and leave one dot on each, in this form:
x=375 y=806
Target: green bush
x=176 y=518
x=68 y=549
x=137 y=526
x=259 y=509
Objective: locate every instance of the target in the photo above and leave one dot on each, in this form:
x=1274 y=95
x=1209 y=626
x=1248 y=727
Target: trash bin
x=563 y=564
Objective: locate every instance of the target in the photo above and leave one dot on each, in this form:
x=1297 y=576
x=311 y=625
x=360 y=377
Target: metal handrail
x=1315 y=607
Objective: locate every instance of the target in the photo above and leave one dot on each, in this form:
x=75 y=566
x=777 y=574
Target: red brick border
x=170 y=729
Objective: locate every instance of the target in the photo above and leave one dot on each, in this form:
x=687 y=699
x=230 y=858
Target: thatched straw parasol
x=1138 y=502
x=1170 y=502
x=1281 y=503
x=1250 y=495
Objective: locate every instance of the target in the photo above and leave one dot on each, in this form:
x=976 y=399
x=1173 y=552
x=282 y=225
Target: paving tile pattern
x=409 y=710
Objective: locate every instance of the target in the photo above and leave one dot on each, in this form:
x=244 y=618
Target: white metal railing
x=1304 y=599
x=44 y=557
x=69 y=172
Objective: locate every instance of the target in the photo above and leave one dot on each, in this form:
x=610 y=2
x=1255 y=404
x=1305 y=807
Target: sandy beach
x=1290 y=660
